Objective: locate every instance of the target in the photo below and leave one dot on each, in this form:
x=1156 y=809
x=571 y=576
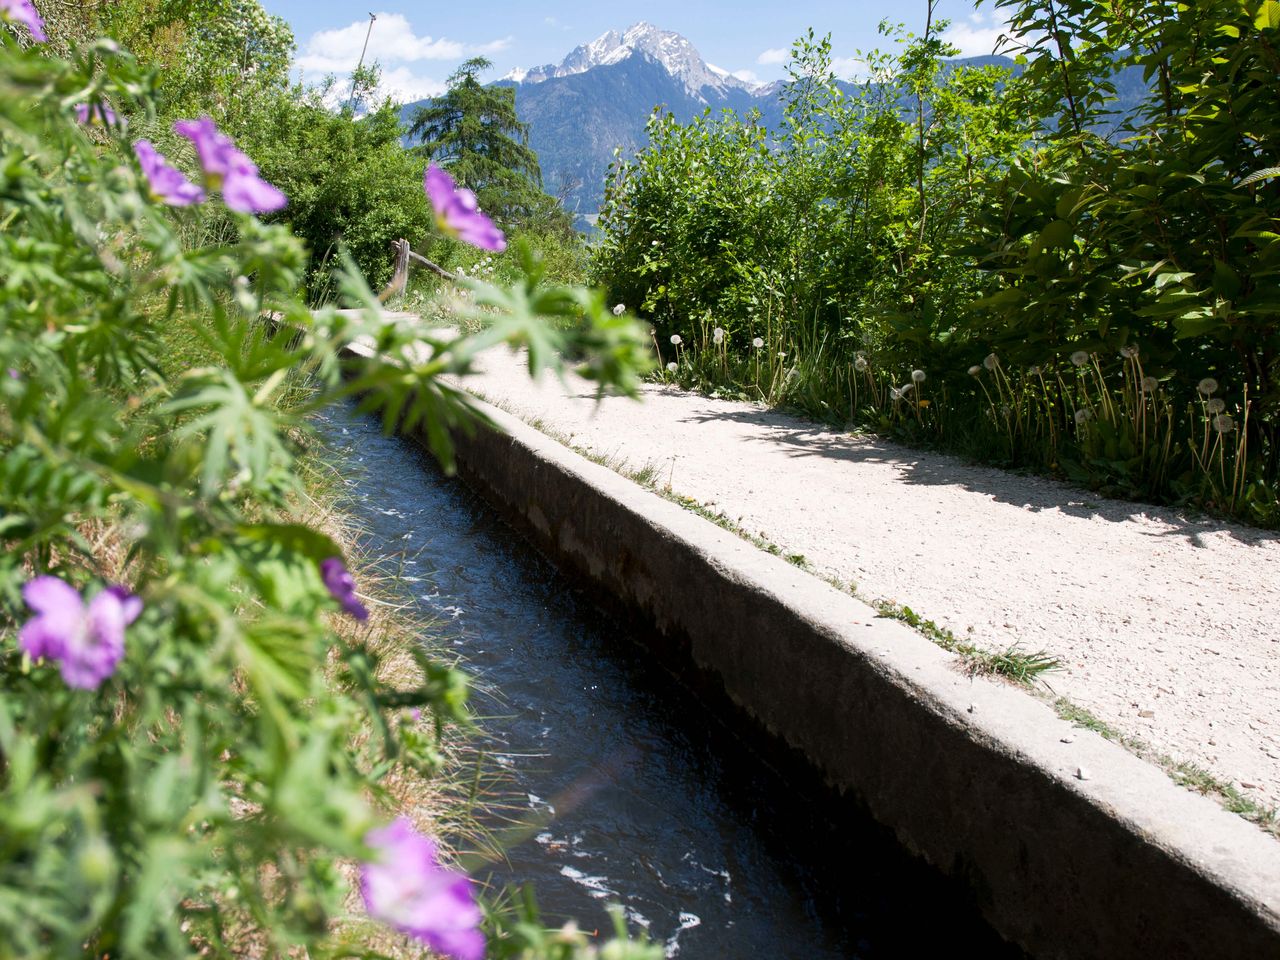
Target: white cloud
x=404 y=86
x=978 y=35
x=493 y=46
x=850 y=68
x=773 y=57
x=392 y=41
x=746 y=76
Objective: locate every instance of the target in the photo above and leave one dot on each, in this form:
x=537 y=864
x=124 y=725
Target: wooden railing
x=400 y=278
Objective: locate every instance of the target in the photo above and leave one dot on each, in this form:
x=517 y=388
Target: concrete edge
x=973 y=775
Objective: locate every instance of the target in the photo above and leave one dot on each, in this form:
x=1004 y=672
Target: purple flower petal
x=49 y=595
x=91 y=655
x=229 y=170
x=342 y=586
x=213 y=148
x=41 y=638
x=439 y=186
x=60 y=614
x=25 y=13
x=167 y=183
x=249 y=193
x=458 y=213
x=130 y=604
x=409 y=889
x=87 y=642
x=96 y=115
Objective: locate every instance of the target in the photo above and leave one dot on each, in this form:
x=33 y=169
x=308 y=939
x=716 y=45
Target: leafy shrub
x=948 y=219
x=188 y=751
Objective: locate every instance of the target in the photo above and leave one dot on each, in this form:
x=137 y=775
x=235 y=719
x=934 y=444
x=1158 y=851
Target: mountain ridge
x=672 y=50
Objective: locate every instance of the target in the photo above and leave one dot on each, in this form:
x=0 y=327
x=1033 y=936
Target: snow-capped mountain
x=674 y=52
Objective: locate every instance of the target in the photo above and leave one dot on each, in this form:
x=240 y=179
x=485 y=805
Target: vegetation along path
x=1162 y=624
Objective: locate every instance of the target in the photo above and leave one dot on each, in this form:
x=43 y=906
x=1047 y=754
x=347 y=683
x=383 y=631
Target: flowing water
x=639 y=792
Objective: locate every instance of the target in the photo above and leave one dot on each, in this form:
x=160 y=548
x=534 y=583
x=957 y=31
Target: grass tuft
x=1013 y=663
x=1186 y=774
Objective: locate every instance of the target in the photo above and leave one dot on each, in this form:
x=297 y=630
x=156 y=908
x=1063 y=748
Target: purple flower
x=458 y=214
x=227 y=169
x=94 y=115
x=25 y=13
x=409 y=889
x=342 y=586
x=167 y=183
x=88 y=642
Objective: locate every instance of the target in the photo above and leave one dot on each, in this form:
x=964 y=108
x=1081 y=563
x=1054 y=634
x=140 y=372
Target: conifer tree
x=474 y=132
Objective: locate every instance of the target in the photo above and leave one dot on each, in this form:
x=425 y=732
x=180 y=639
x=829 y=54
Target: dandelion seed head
x=1083 y=415
x=717 y=335
x=1129 y=351
x=917 y=376
x=675 y=339
x=1150 y=384
x=860 y=364
x=1215 y=405
x=619 y=309
x=975 y=370
x=1223 y=423
x=673 y=366
x=1207 y=387
x=758 y=343
x=990 y=361
x=1079 y=358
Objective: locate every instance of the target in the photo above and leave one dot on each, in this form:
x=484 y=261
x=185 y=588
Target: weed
x=1182 y=772
x=1012 y=663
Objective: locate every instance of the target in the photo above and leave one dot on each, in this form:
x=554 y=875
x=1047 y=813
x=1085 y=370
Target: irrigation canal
x=644 y=795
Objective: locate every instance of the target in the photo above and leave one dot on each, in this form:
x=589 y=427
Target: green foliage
x=213 y=55
x=831 y=225
x=203 y=799
x=1165 y=240
x=348 y=180
x=949 y=219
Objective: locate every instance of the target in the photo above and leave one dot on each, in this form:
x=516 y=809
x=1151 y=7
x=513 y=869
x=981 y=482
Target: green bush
x=185 y=767
x=979 y=228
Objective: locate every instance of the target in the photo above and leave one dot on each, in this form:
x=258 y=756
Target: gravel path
x=1166 y=626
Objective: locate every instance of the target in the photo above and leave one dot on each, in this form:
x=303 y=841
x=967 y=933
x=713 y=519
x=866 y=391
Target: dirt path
x=1168 y=628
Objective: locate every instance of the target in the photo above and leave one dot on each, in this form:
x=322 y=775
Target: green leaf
x=292 y=537
x=1226 y=282
x=1059 y=234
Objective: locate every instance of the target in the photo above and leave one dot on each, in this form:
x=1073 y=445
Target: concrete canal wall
x=1072 y=847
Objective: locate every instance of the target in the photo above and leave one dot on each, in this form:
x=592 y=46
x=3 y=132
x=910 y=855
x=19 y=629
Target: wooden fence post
x=400 y=279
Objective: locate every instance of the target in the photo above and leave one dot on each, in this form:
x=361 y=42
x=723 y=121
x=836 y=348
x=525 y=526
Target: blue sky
x=420 y=43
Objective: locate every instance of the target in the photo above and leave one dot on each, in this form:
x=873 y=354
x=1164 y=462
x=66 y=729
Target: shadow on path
x=799 y=438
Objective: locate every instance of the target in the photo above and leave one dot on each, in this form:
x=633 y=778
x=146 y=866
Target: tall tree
x=473 y=130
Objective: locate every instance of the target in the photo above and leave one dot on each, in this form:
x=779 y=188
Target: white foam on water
x=596 y=887
x=687 y=922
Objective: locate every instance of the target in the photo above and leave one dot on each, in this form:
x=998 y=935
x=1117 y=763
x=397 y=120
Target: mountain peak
x=674 y=52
